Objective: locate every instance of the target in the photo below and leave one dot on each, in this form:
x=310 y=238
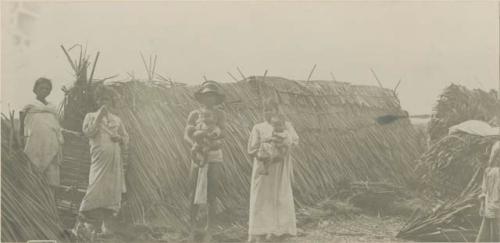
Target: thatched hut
x=340 y=141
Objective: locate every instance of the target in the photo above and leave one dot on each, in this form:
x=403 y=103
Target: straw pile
x=335 y=121
x=458 y=104
x=452 y=163
x=456 y=220
x=449 y=163
x=28 y=207
x=447 y=167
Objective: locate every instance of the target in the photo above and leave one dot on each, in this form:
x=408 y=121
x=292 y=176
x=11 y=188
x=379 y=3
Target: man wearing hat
x=206 y=177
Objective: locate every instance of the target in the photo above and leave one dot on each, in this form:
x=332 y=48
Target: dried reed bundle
x=456 y=220
x=448 y=165
x=28 y=207
x=458 y=104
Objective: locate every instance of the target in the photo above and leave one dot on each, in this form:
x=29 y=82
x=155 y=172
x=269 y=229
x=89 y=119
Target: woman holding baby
x=204 y=133
x=272 y=210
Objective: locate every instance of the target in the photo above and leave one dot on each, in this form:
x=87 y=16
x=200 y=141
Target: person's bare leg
x=212 y=193
x=194 y=208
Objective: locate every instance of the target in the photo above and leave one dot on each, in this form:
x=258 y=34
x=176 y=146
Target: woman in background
x=490 y=199
x=42 y=132
x=272 y=210
x=107 y=137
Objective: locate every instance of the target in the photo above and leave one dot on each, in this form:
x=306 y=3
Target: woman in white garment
x=107 y=137
x=42 y=132
x=272 y=210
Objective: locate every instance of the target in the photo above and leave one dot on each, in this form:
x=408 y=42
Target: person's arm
x=22 y=117
x=292 y=138
x=483 y=188
x=495 y=153
x=221 y=123
x=91 y=123
x=191 y=122
x=253 y=142
x=125 y=139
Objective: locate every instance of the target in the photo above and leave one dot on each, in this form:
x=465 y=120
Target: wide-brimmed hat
x=210 y=87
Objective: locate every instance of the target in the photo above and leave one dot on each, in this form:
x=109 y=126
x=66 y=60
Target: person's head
x=104 y=96
x=270 y=108
x=42 y=88
x=209 y=94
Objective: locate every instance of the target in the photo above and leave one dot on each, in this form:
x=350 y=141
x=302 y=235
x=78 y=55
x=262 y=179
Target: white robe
x=44 y=138
x=106 y=177
x=272 y=209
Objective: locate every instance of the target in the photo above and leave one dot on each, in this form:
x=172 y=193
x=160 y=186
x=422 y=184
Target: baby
x=274 y=150
x=206 y=135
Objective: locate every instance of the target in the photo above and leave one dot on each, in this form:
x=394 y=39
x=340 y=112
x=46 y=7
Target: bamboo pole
x=311 y=73
x=93 y=68
x=69 y=58
x=333 y=77
x=241 y=73
x=397 y=85
x=231 y=75
x=145 y=65
x=376 y=78
x=149 y=67
x=154 y=66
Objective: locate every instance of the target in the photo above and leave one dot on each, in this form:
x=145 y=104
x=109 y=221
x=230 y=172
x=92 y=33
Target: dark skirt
x=489 y=230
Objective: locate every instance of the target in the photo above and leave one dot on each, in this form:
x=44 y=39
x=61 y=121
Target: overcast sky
x=427 y=45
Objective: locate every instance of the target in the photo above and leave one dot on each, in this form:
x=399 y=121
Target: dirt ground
x=332 y=220
x=362 y=228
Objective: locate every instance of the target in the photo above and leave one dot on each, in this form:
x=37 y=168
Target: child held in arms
x=206 y=135
x=273 y=150
x=204 y=132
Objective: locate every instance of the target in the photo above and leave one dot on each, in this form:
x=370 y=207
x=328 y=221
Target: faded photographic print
x=250 y=121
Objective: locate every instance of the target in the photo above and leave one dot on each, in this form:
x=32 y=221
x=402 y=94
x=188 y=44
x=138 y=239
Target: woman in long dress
x=42 y=132
x=107 y=137
x=272 y=210
x=489 y=230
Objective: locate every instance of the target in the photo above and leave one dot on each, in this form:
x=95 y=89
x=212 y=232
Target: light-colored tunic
x=106 y=178
x=272 y=210
x=43 y=139
x=214 y=156
x=491 y=186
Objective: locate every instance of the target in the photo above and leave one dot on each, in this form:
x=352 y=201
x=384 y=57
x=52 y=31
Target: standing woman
x=490 y=199
x=272 y=210
x=42 y=132
x=107 y=137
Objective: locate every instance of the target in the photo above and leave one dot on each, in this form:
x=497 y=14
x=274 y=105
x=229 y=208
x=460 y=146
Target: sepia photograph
x=250 y=121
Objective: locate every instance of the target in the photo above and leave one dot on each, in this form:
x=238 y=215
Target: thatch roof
x=340 y=140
